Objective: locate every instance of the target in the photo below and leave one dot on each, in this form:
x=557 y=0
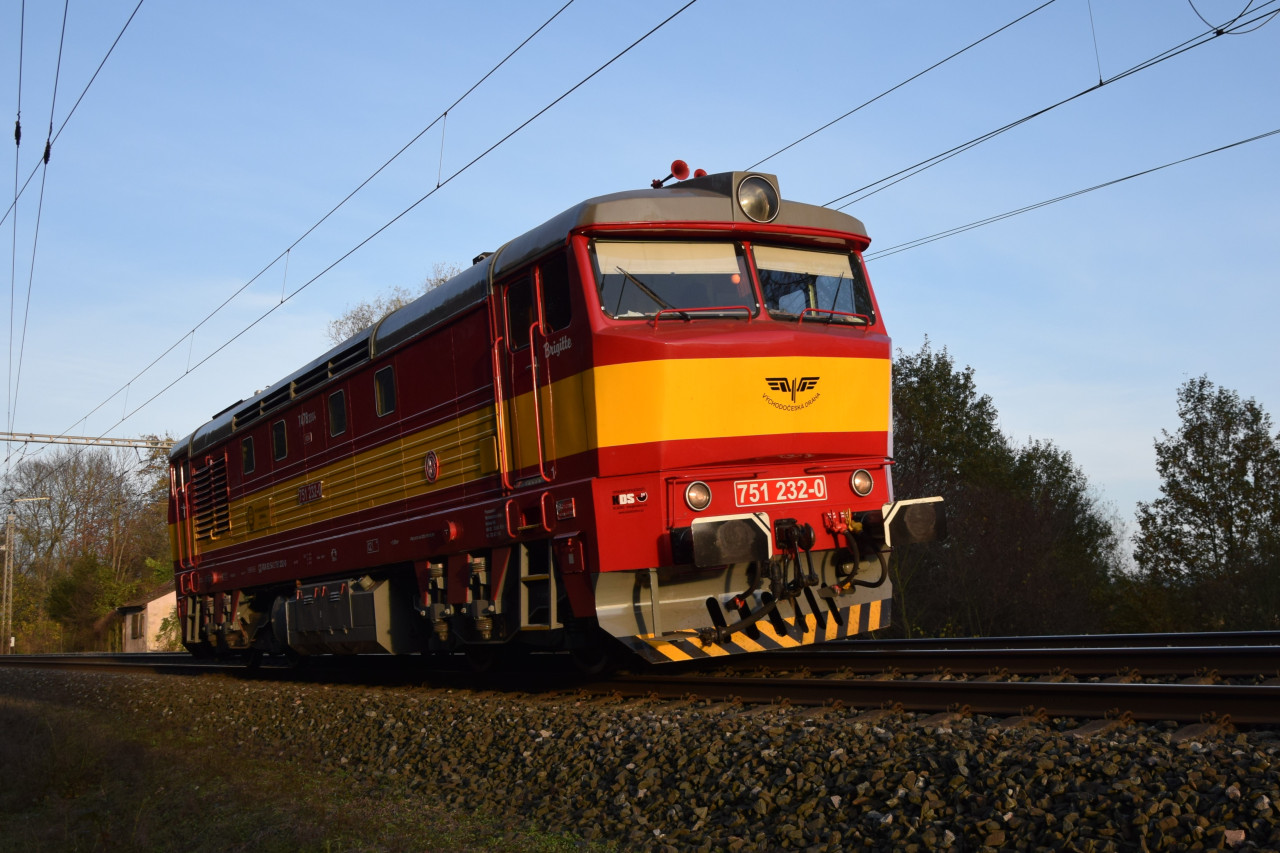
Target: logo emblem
x=794 y=387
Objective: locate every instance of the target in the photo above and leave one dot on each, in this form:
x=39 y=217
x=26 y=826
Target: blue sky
x=218 y=133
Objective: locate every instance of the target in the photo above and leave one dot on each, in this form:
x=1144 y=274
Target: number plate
x=784 y=490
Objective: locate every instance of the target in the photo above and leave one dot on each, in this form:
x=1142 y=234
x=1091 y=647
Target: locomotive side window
x=384 y=389
x=337 y=413
x=638 y=279
x=521 y=313
x=556 y=308
x=246 y=454
x=831 y=284
x=522 y=310
x=279 y=447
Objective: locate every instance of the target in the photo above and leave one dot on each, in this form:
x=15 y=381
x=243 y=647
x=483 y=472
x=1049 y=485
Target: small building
x=142 y=620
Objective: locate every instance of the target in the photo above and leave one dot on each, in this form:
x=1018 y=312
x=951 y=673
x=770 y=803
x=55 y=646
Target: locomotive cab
x=741 y=392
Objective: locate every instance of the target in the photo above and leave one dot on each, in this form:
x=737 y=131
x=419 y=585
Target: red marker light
x=700 y=173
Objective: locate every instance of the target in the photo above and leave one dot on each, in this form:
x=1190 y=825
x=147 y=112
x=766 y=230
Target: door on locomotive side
x=535 y=309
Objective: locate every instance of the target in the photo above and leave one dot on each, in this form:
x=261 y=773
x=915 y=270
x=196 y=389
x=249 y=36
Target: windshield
x=637 y=279
x=831 y=283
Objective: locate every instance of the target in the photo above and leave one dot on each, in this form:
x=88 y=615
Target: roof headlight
x=758 y=199
x=862 y=482
x=698 y=496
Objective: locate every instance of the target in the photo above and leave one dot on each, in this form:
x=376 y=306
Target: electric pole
x=6 y=630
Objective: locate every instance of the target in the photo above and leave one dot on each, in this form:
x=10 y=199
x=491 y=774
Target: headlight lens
x=862 y=482
x=698 y=496
x=758 y=199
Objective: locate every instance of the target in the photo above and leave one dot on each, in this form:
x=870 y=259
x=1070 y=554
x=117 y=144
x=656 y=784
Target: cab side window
x=384 y=389
x=522 y=309
x=556 y=305
x=337 y=413
x=279 y=445
x=521 y=312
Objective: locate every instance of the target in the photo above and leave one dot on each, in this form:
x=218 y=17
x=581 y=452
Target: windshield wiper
x=830 y=315
x=713 y=311
x=662 y=303
x=839 y=284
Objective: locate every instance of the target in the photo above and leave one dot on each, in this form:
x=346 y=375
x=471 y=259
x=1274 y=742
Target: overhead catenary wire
x=960 y=229
x=1222 y=27
x=13 y=248
x=72 y=111
x=892 y=89
x=901 y=175
x=16 y=375
x=1093 y=31
x=190 y=335
x=18 y=191
x=405 y=212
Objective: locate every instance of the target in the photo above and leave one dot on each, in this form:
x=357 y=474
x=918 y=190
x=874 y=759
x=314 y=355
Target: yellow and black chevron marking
x=685 y=645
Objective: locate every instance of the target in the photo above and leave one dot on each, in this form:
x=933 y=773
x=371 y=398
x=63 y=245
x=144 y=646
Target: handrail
x=536 y=327
x=186 y=519
x=500 y=406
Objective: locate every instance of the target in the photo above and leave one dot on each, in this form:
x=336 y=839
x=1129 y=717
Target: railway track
x=1162 y=662
x=1143 y=677
x=1157 y=677
x=1250 y=704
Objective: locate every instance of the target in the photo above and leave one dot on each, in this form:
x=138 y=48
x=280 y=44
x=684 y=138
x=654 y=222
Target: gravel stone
x=688 y=776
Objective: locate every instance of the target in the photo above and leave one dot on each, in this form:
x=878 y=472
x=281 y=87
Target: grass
x=71 y=780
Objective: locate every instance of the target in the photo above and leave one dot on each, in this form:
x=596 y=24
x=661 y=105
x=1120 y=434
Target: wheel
x=598 y=656
x=481 y=659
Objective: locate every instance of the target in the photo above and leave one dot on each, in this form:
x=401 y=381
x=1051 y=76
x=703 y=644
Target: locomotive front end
x=742 y=424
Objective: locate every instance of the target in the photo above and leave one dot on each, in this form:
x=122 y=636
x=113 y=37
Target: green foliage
x=1030 y=549
x=84 y=600
x=158 y=571
x=1209 y=546
x=169 y=635
x=96 y=536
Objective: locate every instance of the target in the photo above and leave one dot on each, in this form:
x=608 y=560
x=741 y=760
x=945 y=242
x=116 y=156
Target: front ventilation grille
x=210 y=498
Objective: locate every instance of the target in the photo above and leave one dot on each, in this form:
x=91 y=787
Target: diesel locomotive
x=660 y=419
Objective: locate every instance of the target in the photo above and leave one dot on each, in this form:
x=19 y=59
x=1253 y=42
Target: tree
x=1029 y=550
x=89 y=545
x=364 y=314
x=944 y=434
x=1211 y=541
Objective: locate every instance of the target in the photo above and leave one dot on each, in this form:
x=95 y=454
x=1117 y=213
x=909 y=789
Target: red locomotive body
x=661 y=416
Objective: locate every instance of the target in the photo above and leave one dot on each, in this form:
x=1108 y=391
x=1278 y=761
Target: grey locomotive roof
x=706 y=199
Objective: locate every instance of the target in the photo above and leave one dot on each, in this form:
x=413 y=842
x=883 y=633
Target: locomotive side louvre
x=509 y=457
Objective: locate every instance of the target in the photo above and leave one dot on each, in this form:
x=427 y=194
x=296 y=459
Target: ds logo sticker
x=626 y=499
